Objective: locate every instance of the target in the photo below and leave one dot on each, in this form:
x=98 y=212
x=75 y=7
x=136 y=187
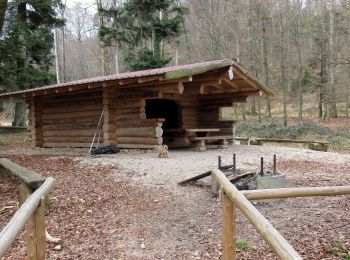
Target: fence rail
x=31 y=212
x=296 y=192
x=232 y=198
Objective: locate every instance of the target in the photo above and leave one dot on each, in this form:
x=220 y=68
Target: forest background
x=298 y=48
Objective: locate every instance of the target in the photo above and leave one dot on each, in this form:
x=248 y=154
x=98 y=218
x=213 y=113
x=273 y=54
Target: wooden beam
x=32 y=179
x=22 y=215
x=158 y=83
x=149 y=79
x=231 y=83
x=254 y=83
x=296 y=192
x=277 y=243
x=128 y=81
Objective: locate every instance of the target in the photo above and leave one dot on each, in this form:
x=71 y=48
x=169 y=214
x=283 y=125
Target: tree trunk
x=103 y=49
x=300 y=90
x=237 y=32
x=64 y=73
x=19 y=118
x=289 y=49
x=244 y=117
x=3 y=7
x=300 y=65
x=265 y=65
x=347 y=93
x=284 y=84
x=57 y=63
x=332 y=72
x=22 y=35
x=323 y=76
x=253 y=106
x=259 y=110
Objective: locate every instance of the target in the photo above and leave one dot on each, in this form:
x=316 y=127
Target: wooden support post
x=229 y=228
x=277 y=243
x=36 y=233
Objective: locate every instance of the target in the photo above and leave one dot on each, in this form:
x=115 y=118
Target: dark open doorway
x=164 y=108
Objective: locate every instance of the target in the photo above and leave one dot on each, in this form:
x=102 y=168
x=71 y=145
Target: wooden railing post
x=36 y=233
x=229 y=227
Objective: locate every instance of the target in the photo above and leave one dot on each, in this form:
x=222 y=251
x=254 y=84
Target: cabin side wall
x=65 y=120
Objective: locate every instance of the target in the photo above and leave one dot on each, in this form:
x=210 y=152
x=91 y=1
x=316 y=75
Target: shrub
x=243 y=245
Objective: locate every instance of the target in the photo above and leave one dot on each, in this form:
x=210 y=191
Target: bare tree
x=298 y=45
x=284 y=83
x=264 y=21
x=332 y=71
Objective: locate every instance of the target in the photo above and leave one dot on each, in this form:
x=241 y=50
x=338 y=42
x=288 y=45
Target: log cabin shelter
x=177 y=106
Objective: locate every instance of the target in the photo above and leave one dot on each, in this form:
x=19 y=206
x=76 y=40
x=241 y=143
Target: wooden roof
x=202 y=75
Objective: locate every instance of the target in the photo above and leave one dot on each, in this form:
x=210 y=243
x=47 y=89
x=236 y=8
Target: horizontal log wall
x=70 y=120
x=35 y=122
x=133 y=129
x=209 y=114
x=189 y=111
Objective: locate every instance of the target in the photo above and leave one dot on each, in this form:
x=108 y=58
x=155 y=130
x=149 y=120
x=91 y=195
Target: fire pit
x=247 y=180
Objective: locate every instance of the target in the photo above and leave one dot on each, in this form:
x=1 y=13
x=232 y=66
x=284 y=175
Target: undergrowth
x=16 y=139
x=307 y=131
x=243 y=245
x=340 y=249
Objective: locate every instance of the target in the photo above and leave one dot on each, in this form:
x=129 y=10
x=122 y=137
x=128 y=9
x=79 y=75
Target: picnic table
x=197 y=136
x=200 y=135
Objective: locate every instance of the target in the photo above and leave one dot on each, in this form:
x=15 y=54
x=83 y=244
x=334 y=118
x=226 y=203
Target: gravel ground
x=129 y=206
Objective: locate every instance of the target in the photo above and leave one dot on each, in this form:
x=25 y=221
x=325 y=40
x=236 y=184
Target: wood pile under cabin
x=172 y=105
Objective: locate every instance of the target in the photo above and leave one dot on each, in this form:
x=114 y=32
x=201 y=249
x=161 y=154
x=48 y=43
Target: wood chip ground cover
x=128 y=205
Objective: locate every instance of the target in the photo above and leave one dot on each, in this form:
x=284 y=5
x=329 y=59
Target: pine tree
x=3 y=7
x=25 y=48
x=141 y=28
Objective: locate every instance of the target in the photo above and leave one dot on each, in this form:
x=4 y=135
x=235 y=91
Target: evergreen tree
x=141 y=27
x=26 y=44
x=3 y=7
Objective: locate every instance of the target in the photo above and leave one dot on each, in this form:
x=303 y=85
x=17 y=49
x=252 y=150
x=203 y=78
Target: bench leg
x=243 y=142
x=200 y=146
x=254 y=142
x=318 y=147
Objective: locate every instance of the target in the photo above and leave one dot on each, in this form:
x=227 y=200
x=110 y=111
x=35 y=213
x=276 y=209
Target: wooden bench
x=201 y=141
x=313 y=145
x=242 y=140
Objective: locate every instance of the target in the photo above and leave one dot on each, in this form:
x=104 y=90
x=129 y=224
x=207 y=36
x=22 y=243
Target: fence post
x=229 y=227
x=36 y=233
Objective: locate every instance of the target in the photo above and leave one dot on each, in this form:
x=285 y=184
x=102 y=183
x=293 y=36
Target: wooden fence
x=31 y=212
x=232 y=198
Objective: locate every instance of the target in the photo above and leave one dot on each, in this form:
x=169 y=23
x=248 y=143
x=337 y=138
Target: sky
x=84 y=3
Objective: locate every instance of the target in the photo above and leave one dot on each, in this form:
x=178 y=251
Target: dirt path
x=129 y=206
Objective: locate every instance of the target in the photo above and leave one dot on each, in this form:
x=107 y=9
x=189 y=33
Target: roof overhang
x=210 y=74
